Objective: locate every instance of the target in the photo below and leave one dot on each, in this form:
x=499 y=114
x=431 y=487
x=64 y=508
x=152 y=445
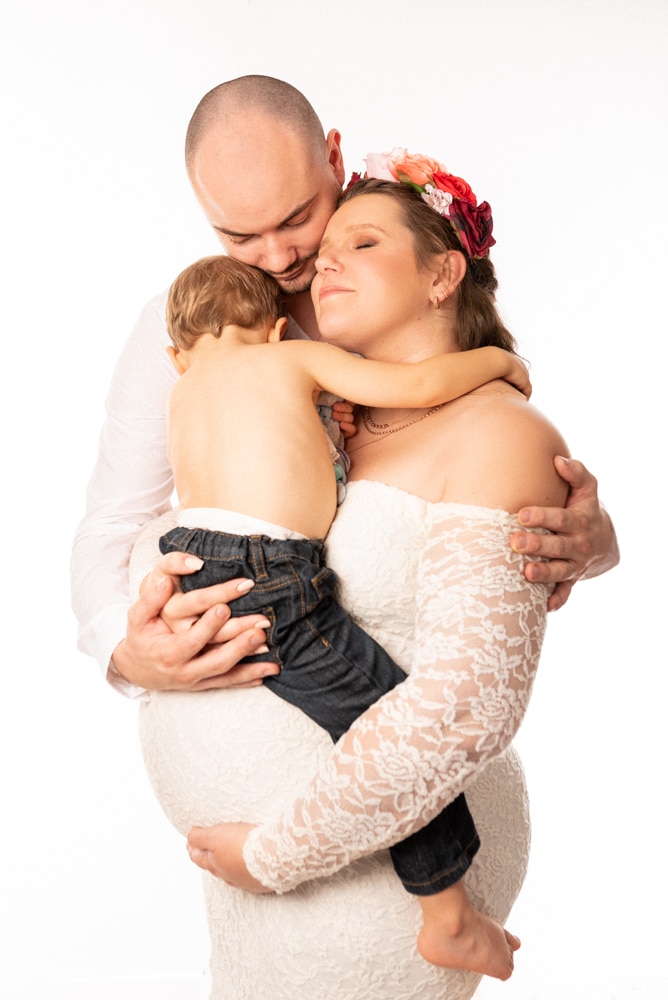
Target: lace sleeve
x=479 y=630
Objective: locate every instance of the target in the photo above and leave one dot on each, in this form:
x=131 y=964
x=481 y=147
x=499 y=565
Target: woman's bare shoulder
x=503 y=453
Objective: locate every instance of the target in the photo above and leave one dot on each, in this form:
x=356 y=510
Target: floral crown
x=448 y=195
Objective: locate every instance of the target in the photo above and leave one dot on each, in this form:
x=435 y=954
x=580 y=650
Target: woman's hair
x=216 y=291
x=478 y=323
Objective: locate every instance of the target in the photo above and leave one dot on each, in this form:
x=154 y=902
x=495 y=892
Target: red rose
x=455 y=186
x=354 y=178
x=474 y=226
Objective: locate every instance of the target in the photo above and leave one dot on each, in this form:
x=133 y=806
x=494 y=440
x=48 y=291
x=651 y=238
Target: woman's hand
x=583 y=543
x=219 y=850
x=189 y=642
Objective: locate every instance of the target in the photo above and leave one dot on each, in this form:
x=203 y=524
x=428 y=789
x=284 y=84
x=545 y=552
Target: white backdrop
x=555 y=112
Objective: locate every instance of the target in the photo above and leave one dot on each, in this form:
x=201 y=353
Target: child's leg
x=431 y=863
x=457 y=936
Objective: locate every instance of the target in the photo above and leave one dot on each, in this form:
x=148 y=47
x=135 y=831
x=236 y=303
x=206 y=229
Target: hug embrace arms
x=350 y=807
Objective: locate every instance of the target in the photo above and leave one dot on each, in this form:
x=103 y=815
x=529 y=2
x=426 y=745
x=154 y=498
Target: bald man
x=268 y=179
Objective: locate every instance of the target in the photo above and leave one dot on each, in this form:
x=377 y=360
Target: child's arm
x=420 y=384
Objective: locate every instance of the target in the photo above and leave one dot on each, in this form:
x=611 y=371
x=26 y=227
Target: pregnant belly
x=238 y=755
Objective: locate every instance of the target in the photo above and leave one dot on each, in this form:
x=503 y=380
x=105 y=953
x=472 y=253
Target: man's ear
x=176 y=359
x=277 y=331
x=335 y=156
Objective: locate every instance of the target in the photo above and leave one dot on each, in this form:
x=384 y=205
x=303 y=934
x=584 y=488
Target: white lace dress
x=438 y=586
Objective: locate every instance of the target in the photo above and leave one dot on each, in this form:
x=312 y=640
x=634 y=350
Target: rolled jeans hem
x=446 y=878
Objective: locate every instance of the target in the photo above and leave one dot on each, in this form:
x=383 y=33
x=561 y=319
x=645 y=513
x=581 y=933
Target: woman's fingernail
x=193 y=562
x=245 y=585
x=264 y=648
x=265 y=623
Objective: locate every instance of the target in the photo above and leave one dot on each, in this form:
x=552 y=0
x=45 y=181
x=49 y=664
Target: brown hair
x=478 y=321
x=216 y=291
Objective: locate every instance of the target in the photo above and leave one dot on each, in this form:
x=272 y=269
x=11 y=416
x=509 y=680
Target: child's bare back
x=253 y=407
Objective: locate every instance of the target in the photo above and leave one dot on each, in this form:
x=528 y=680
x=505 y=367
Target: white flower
x=439 y=200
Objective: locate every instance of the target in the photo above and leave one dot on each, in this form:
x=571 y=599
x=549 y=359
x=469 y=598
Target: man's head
x=265 y=174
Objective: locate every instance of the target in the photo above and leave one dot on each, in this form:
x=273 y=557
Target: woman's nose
x=326 y=262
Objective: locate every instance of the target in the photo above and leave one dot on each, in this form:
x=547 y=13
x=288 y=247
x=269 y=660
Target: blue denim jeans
x=330 y=668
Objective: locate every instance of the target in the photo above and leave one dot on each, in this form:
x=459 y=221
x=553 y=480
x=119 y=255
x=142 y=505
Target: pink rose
x=380 y=165
x=474 y=226
x=456 y=186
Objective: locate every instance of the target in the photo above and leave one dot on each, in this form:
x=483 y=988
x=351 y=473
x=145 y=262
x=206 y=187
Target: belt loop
x=257 y=558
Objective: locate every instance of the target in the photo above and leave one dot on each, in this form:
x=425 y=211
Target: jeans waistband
x=226 y=545
x=230 y=521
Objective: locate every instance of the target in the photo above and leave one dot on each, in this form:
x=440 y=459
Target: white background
x=555 y=112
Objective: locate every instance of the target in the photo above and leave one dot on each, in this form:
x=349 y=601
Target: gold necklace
x=382 y=430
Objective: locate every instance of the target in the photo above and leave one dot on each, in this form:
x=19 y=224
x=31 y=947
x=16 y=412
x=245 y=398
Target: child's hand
x=518 y=375
x=342 y=412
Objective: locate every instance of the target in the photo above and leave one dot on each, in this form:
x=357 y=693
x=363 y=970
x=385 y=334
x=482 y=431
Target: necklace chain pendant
x=382 y=430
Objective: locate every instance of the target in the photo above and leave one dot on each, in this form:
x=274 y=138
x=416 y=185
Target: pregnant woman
x=421 y=547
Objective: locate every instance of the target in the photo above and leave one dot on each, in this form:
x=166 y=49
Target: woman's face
x=369 y=292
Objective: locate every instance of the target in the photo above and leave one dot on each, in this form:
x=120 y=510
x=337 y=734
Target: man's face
x=269 y=198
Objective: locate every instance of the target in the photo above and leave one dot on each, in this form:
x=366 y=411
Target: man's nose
x=279 y=255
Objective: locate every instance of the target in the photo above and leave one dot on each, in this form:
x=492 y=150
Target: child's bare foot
x=457 y=936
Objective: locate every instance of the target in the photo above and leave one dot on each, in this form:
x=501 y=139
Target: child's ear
x=176 y=359
x=277 y=331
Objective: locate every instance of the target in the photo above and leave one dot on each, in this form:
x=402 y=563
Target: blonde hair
x=215 y=292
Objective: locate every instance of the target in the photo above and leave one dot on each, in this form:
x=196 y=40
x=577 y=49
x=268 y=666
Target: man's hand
x=196 y=645
x=219 y=850
x=583 y=544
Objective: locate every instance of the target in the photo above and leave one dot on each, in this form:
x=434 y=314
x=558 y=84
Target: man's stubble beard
x=300 y=284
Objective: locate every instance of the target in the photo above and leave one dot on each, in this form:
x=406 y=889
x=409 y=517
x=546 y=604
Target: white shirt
x=131 y=485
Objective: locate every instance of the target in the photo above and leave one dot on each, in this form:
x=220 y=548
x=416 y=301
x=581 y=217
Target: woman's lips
x=327 y=290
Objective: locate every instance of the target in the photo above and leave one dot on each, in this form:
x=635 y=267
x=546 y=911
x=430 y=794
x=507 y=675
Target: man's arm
x=583 y=543
x=131 y=484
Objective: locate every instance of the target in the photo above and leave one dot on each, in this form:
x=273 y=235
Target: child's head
x=218 y=291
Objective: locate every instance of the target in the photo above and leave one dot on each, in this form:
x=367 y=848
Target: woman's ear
x=451 y=271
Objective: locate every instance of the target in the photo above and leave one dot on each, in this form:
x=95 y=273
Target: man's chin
x=300 y=283
x=297 y=287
